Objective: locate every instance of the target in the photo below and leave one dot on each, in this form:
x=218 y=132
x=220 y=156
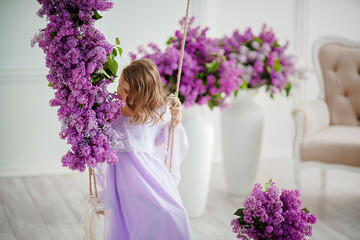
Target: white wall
x=29 y=141
x=29 y=128
x=301 y=22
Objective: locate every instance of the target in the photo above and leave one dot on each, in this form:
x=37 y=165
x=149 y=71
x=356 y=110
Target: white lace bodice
x=137 y=138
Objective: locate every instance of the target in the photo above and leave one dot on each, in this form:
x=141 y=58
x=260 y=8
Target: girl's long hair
x=147 y=97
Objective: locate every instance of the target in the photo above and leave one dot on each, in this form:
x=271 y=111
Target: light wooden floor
x=49 y=207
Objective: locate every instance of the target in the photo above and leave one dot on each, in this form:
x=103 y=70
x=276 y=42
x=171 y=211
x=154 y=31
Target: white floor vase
x=196 y=167
x=242 y=128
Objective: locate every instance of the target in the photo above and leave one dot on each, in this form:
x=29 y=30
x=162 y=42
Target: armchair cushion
x=316 y=117
x=340 y=67
x=335 y=145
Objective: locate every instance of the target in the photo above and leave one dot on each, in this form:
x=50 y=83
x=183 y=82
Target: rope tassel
x=89 y=215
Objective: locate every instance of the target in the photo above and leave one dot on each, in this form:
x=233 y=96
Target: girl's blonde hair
x=147 y=95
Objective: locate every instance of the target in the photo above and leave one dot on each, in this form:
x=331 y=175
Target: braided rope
x=90 y=187
x=172 y=127
x=95 y=187
x=182 y=49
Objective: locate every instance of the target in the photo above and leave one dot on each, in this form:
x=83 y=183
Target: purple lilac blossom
x=200 y=83
x=270 y=65
x=74 y=49
x=271 y=214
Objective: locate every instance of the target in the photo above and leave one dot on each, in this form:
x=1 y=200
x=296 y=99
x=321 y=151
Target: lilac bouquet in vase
x=207 y=77
x=264 y=63
x=261 y=57
x=269 y=213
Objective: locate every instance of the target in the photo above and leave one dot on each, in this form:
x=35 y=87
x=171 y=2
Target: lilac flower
x=265 y=55
x=271 y=59
x=271 y=214
x=207 y=76
x=258 y=67
x=75 y=51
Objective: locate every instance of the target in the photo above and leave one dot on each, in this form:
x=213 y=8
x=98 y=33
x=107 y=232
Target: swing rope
x=170 y=143
x=172 y=127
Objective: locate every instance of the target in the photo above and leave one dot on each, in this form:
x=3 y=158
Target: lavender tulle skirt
x=142 y=200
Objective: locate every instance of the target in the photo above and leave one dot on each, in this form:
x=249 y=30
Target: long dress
x=140 y=194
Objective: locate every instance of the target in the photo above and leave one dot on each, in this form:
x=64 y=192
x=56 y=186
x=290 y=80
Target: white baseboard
x=27 y=170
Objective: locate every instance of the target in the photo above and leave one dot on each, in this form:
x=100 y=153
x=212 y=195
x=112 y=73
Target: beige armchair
x=328 y=130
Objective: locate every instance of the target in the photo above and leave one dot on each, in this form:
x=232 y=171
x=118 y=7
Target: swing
x=96 y=206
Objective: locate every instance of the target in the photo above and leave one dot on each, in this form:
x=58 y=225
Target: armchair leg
x=323 y=178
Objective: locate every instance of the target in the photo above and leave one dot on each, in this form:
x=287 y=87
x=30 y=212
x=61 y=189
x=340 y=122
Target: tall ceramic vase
x=242 y=128
x=196 y=167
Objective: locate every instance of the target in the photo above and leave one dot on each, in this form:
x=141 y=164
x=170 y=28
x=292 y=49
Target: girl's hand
x=175 y=110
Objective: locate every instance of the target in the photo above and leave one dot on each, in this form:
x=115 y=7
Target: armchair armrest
x=311 y=118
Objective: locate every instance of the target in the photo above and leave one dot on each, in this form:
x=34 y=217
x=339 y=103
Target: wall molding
x=205 y=12
x=22 y=73
x=37 y=169
x=305 y=33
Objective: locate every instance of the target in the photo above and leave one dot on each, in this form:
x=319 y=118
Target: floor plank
x=6 y=232
x=73 y=190
x=66 y=231
x=51 y=205
x=23 y=215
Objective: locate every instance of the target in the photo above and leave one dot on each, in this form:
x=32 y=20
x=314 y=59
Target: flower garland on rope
x=82 y=65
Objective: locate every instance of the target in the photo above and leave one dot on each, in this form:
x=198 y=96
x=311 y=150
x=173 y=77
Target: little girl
x=142 y=200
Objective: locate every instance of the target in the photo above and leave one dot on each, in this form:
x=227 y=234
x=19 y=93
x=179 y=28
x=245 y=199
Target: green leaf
x=277 y=65
x=272 y=95
x=169 y=41
x=236 y=93
x=73 y=15
x=96 y=15
x=173 y=80
x=258 y=40
x=182 y=98
x=248 y=45
x=276 y=45
x=95 y=79
x=239 y=212
x=267 y=185
x=51 y=84
x=288 y=88
x=244 y=85
x=80 y=23
x=268 y=69
x=102 y=71
x=113 y=53
x=117 y=41
x=53 y=34
x=109 y=72
x=112 y=65
x=119 y=50
x=306 y=210
x=213 y=66
x=172 y=88
x=211 y=105
x=80 y=105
